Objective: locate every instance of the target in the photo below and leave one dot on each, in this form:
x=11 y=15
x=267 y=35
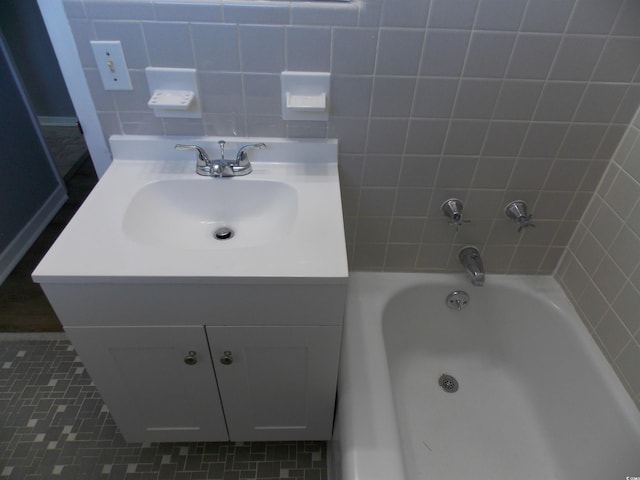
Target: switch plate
x=111 y=65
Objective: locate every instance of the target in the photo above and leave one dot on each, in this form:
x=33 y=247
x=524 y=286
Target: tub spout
x=472 y=263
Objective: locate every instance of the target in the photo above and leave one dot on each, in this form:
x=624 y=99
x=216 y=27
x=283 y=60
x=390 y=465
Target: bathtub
x=536 y=399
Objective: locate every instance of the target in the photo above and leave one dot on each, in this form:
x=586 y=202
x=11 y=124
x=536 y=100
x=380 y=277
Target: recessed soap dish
x=171 y=99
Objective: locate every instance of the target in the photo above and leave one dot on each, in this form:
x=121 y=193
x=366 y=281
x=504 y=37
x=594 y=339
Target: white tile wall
x=600 y=271
x=486 y=100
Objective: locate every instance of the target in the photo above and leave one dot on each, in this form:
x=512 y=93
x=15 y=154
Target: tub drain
x=448 y=383
x=223 y=233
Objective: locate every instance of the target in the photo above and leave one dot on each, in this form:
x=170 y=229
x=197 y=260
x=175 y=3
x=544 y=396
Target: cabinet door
x=277 y=383
x=154 y=392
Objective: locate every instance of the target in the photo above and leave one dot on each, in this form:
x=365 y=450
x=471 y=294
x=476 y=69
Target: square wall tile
x=559 y=101
x=609 y=279
x=566 y=174
x=406 y=230
x=401 y=257
x=452 y=14
x=418 y=171
x=348 y=40
x=623 y=195
x=351 y=95
x=412 y=14
x=488 y=54
x=216 y=47
x=518 y=99
x=530 y=173
x=261 y=14
x=381 y=170
x=434 y=97
x=492 y=172
x=456 y=171
x=504 y=138
x=120 y=10
x=412 y=202
x=392 y=97
x=613 y=333
x=426 y=137
x=262 y=94
x=500 y=14
x=369 y=256
x=387 y=135
x=376 y=201
x=532 y=56
x=582 y=141
x=262 y=48
x=543 y=140
x=169 y=44
x=626 y=23
x=476 y=99
x=308 y=49
x=593 y=16
x=221 y=92
x=399 y=51
x=547 y=15
x=372 y=229
x=577 y=57
x=599 y=103
x=465 y=137
x=176 y=12
x=619 y=61
x=444 y=52
x=628 y=361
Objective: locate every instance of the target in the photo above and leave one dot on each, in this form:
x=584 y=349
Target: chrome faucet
x=470 y=258
x=222 y=167
x=242 y=165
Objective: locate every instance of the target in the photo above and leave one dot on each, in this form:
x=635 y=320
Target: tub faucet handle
x=452 y=208
x=518 y=212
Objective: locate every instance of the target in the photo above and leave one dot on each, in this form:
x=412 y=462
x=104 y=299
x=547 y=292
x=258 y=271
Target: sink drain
x=448 y=383
x=223 y=233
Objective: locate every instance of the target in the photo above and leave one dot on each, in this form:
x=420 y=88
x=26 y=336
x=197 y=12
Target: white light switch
x=111 y=65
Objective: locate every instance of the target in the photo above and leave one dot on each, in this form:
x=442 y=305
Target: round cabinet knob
x=226 y=358
x=191 y=358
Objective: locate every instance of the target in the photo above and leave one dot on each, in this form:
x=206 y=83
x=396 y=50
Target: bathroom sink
x=152 y=219
x=204 y=213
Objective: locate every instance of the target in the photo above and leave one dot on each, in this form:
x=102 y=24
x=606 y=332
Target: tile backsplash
x=488 y=101
x=600 y=271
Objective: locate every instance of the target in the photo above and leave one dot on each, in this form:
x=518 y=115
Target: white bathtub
x=536 y=399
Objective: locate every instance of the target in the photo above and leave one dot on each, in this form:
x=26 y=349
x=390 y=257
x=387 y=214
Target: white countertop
x=94 y=247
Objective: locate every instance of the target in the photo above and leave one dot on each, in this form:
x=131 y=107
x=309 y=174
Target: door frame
x=15 y=250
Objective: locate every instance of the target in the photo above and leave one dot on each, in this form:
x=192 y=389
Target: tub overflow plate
x=457 y=300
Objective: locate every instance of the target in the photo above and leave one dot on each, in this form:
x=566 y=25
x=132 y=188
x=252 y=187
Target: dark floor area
x=23 y=306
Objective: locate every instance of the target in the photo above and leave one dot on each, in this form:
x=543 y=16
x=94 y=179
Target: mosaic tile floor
x=54 y=425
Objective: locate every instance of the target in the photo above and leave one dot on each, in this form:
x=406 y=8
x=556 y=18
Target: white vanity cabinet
x=277 y=383
x=190 y=336
x=264 y=364
x=152 y=393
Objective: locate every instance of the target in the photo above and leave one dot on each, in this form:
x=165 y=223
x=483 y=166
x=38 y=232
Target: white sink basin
x=151 y=218
x=186 y=213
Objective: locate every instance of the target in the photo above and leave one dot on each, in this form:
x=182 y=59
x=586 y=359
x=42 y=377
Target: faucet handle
x=518 y=212
x=241 y=156
x=525 y=222
x=458 y=223
x=203 y=166
x=452 y=208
